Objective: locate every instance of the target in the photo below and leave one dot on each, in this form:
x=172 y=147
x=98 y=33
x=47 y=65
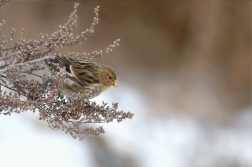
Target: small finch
x=84 y=75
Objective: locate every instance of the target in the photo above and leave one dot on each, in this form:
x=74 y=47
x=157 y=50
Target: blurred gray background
x=183 y=69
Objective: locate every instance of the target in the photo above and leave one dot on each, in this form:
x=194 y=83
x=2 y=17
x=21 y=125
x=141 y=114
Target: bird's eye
x=110 y=77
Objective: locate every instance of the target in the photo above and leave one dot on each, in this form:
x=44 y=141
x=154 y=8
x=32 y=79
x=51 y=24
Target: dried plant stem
x=22 y=61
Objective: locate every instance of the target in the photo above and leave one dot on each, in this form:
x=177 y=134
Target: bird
x=83 y=75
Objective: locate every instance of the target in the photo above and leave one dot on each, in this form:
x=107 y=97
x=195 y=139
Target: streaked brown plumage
x=85 y=75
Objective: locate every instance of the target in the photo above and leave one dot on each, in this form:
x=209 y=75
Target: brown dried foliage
x=22 y=59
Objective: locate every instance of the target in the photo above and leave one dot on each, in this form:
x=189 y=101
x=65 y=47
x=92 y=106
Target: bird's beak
x=114 y=84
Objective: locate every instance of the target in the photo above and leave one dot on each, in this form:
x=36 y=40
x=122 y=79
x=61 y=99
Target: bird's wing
x=85 y=71
x=63 y=62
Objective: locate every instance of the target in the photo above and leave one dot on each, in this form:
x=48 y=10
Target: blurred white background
x=183 y=69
